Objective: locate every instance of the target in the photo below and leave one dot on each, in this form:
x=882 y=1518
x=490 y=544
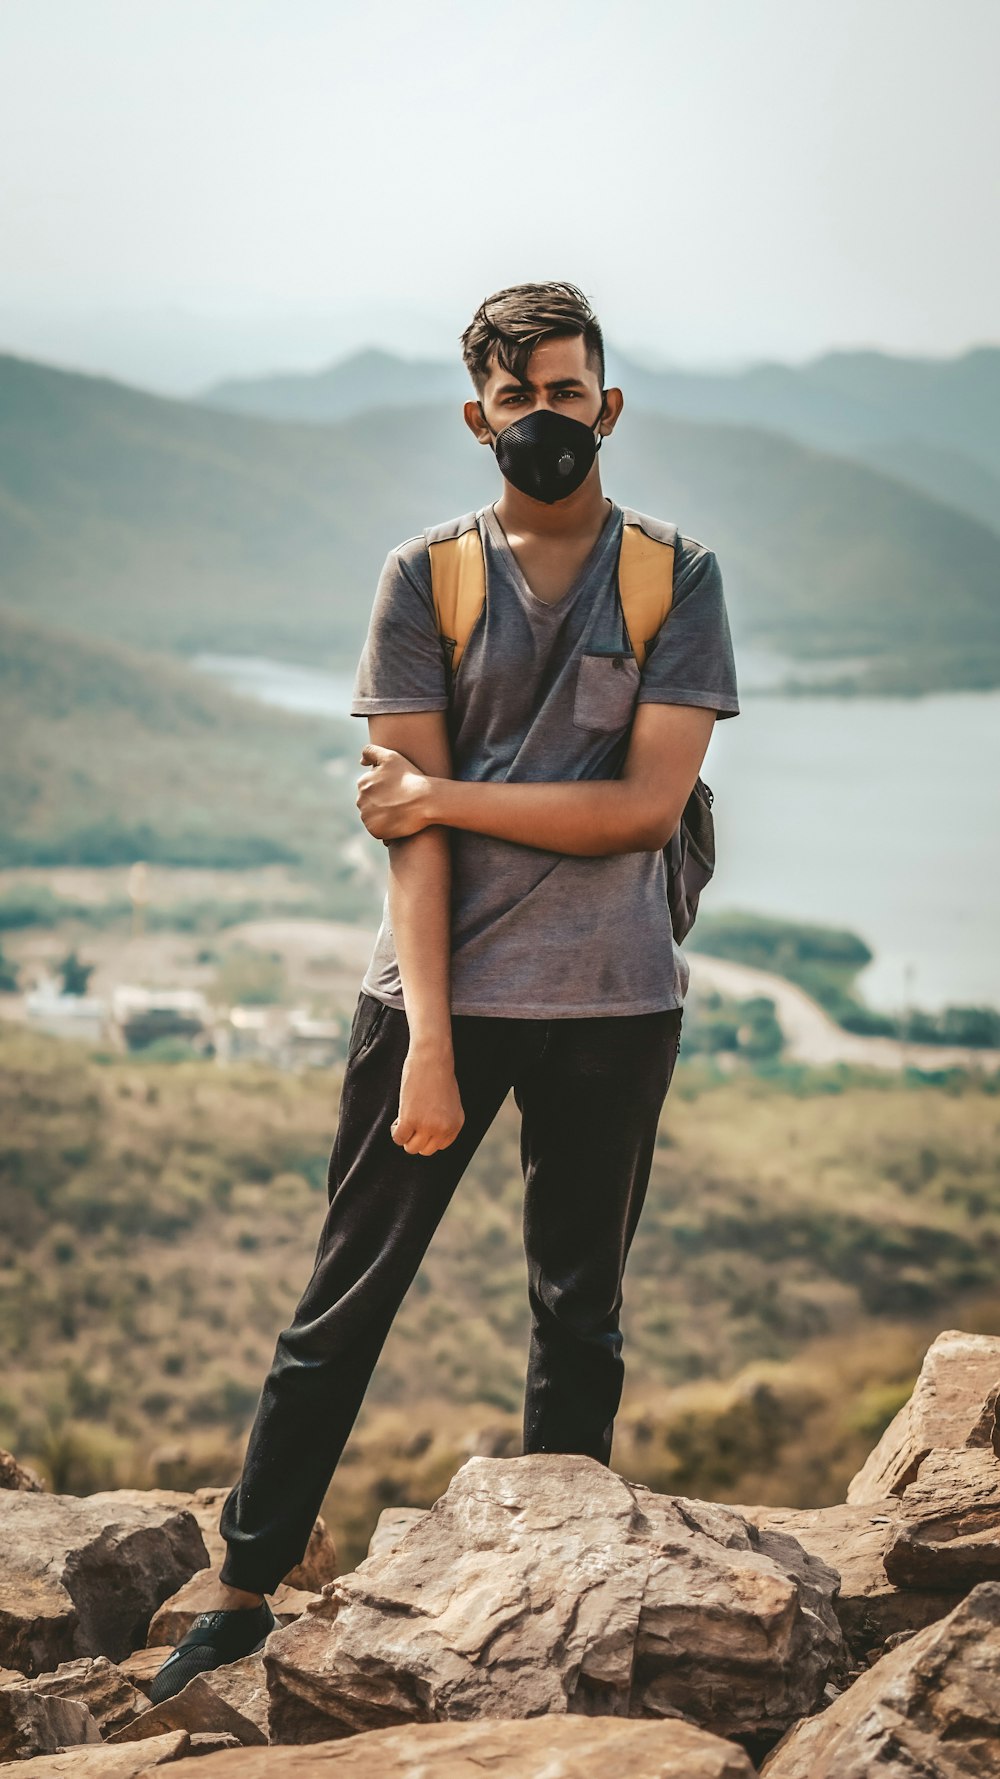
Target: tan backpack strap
x=458 y=581
x=646 y=586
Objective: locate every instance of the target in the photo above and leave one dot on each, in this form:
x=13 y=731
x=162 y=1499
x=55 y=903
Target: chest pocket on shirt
x=606 y=687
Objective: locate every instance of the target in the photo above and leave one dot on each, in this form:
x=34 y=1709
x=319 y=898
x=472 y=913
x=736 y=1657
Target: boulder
x=953 y=1408
x=95 y=1682
x=941 y=1458
x=948 y=1535
x=15 y=1475
x=32 y=1723
x=542 y=1748
x=393 y=1524
x=100 y=1762
x=176 y=1616
x=854 y=1540
x=231 y=1701
x=930 y=1707
x=921 y=1524
x=547 y=1584
x=83 y=1575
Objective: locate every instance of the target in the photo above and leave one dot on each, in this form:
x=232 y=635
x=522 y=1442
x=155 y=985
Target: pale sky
x=192 y=188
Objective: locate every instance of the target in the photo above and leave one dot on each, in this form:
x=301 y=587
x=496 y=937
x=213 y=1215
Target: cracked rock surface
x=83 y=1575
x=953 y=1408
x=547 y=1584
x=544 y=1748
x=930 y=1709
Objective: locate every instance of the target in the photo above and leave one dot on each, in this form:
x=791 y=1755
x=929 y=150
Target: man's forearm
x=420 y=912
x=591 y=817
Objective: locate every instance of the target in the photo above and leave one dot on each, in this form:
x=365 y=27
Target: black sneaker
x=214 y=1639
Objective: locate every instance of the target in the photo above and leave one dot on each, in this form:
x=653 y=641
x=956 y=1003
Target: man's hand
x=430 y=1108
x=392 y=795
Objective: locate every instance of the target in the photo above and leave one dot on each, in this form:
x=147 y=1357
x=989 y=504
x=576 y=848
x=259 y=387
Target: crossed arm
x=399 y=796
x=409 y=799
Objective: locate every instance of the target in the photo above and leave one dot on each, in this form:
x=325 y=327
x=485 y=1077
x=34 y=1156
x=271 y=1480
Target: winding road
x=811 y=1036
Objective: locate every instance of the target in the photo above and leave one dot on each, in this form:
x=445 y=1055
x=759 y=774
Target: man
x=524 y=798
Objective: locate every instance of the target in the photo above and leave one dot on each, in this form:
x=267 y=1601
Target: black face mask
x=545 y=454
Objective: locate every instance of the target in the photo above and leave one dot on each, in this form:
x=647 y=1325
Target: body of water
x=877 y=814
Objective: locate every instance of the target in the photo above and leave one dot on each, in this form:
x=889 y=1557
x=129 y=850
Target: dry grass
x=796 y=1255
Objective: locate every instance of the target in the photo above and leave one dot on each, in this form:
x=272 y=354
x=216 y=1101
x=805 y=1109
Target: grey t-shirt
x=545 y=691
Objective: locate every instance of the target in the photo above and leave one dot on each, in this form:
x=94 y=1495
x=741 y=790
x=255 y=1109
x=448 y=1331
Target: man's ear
x=473 y=416
x=614 y=401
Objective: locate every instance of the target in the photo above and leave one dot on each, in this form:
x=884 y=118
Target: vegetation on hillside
x=118 y=756
x=796 y=1254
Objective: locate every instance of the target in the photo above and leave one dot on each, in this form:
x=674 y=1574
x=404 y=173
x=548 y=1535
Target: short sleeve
x=402 y=664
x=691 y=659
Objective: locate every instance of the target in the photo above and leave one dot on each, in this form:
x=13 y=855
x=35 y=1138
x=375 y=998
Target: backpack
x=645 y=590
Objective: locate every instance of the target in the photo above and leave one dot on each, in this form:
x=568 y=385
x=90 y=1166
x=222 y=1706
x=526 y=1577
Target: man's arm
x=636 y=812
x=430 y=1110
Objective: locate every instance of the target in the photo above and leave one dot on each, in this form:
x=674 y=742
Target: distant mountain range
x=934 y=422
x=177 y=525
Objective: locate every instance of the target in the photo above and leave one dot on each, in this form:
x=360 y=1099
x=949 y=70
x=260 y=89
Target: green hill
x=353 y=385
x=110 y=755
x=173 y=526
x=933 y=422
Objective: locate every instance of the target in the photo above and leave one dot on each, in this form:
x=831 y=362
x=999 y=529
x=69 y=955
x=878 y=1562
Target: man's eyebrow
x=557 y=383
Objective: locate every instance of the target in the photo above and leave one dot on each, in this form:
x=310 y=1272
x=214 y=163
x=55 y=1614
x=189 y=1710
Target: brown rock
x=854 y=1541
x=83 y=1575
x=101 y=1762
x=31 y=1724
x=140 y=1667
x=393 y=1524
x=231 y=1700
x=546 y=1583
x=176 y=1616
x=15 y=1475
x=95 y=1682
x=931 y=1707
x=543 y=1748
x=948 y=1535
x=953 y=1407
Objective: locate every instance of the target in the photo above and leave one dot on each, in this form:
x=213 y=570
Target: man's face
x=557 y=376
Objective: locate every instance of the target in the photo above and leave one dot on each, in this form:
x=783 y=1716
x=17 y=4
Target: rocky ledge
x=545 y=1617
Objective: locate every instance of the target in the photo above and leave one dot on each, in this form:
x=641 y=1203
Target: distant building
x=65 y=1016
x=286 y=1038
x=312 y=1043
x=141 y=1015
x=250 y=1034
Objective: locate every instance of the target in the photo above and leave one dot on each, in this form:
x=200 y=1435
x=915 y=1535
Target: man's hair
x=514 y=321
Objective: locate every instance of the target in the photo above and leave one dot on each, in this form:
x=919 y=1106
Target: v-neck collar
x=601 y=542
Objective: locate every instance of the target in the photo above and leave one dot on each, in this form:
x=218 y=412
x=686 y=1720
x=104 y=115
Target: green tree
x=8 y=974
x=75 y=974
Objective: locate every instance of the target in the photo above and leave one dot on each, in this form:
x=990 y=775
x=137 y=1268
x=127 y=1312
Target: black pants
x=590 y=1092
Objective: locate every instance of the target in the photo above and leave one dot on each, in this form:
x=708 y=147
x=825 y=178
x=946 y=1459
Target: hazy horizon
x=198 y=193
